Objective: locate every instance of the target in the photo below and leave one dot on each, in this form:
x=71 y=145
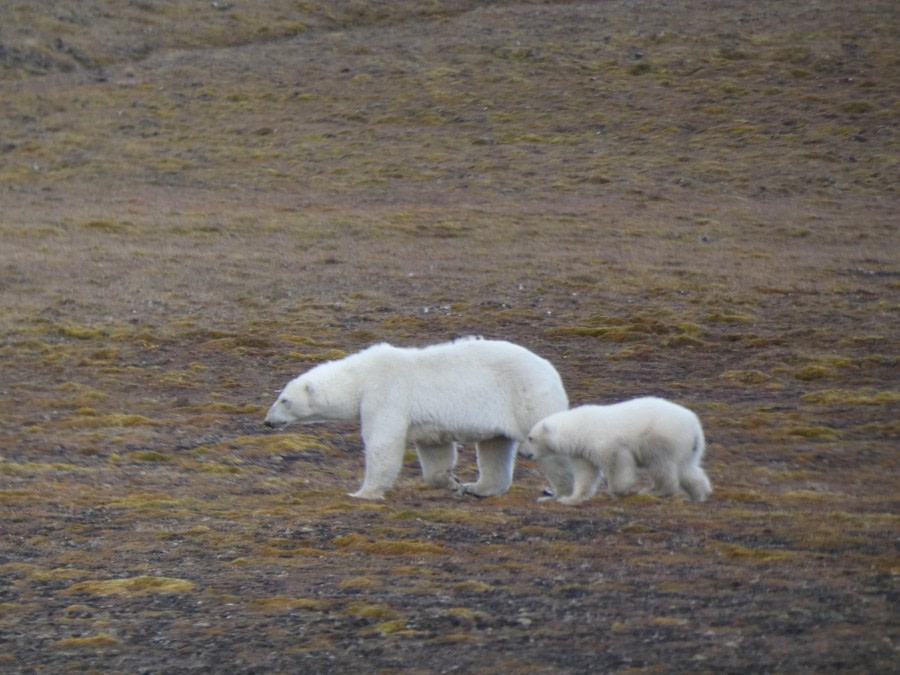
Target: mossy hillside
x=90 y=37
x=489 y=90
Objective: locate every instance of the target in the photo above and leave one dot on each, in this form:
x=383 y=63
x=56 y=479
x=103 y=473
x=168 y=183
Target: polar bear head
x=296 y=403
x=539 y=441
x=330 y=391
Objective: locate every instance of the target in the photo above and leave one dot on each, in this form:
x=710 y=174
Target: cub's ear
x=546 y=429
x=310 y=389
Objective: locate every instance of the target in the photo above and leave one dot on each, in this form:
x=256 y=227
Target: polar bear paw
x=366 y=494
x=470 y=489
x=446 y=480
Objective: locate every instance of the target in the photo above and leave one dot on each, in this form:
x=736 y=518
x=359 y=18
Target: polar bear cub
x=468 y=391
x=648 y=433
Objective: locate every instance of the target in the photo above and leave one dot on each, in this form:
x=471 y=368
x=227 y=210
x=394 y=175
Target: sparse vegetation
x=200 y=200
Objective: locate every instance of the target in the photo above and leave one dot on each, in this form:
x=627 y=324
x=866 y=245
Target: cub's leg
x=598 y=482
x=695 y=483
x=586 y=479
x=621 y=472
x=496 y=461
x=438 y=462
x=558 y=470
x=664 y=478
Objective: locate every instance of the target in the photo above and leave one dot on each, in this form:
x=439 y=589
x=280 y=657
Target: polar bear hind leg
x=496 y=461
x=695 y=483
x=438 y=462
x=586 y=480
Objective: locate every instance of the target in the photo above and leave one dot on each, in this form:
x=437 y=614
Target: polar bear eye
x=284 y=402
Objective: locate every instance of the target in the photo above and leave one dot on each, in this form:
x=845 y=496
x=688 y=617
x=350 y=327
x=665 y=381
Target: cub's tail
x=699 y=445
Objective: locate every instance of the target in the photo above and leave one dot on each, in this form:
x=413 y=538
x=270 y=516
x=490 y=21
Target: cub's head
x=537 y=444
x=295 y=404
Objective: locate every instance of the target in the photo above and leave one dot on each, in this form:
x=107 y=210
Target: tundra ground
x=696 y=200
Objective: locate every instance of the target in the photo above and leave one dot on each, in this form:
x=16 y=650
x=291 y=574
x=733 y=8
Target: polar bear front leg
x=438 y=462
x=587 y=477
x=384 y=459
x=496 y=461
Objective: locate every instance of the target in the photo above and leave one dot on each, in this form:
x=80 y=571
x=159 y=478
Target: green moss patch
x=98 y=641
x=136 y=586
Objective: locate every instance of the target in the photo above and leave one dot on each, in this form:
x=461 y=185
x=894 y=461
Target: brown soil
x=198 y=201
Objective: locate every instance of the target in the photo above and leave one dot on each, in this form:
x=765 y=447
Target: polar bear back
x=467 y=390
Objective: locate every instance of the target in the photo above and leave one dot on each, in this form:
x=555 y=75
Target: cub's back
x=663 y=417
x=635 y=416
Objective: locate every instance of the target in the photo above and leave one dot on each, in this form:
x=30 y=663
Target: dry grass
x=695 y=200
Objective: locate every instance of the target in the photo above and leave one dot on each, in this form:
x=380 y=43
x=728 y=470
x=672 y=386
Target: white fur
x=662 y=437
x=468 y=391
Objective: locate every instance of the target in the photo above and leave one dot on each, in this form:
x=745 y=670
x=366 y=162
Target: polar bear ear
x=310 y=389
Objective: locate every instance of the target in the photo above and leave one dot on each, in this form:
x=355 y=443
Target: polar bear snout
x=277 y=415
x=272 y=421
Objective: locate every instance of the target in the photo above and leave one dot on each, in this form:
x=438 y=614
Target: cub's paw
x=547 y=495
x=655 y=492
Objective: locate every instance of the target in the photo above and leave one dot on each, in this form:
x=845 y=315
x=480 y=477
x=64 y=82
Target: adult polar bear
x=651 y=433
x=471 y=390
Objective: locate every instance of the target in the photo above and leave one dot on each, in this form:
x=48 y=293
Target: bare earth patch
x=198 y=201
